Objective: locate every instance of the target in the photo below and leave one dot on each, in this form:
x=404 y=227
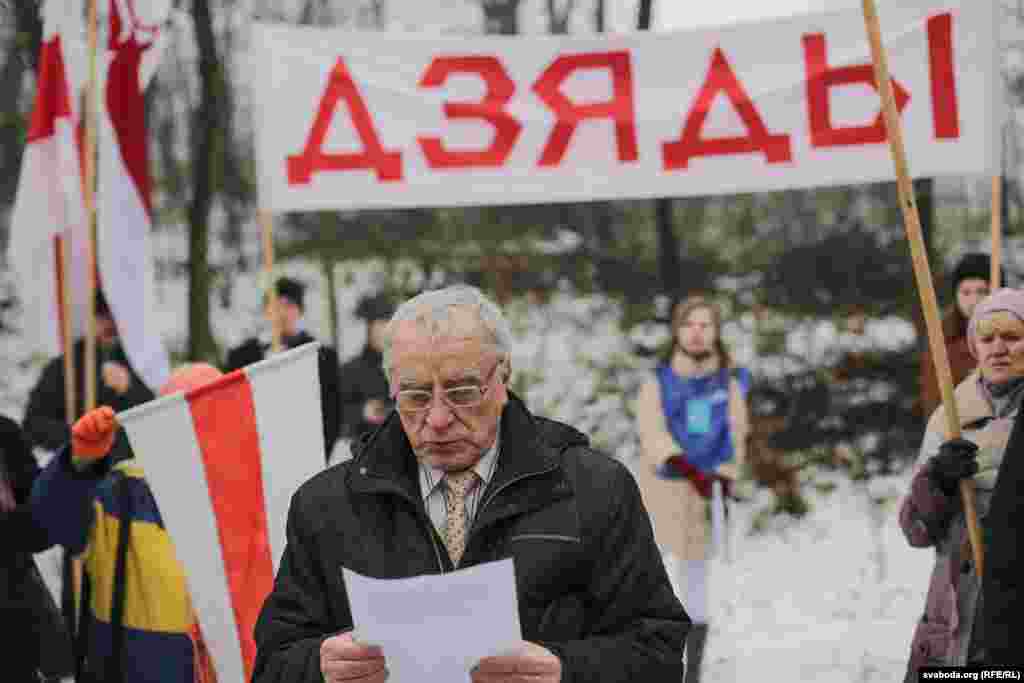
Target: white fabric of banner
x=362 y=120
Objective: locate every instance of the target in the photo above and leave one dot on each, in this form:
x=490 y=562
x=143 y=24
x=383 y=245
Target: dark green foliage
x=844 y=270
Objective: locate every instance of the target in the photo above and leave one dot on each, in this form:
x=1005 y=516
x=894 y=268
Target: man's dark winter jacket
x=590 y=581
x=19 y=530
x=1001 y=621
x=45 y=422
x=362 y=379
x=253 y=350
x=35 y=638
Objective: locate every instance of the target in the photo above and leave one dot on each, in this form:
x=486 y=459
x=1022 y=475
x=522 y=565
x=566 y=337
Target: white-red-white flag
x=48 y=208
x=123 y=202
x=223 y=461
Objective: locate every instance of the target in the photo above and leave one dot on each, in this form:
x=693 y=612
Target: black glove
x=956 y=460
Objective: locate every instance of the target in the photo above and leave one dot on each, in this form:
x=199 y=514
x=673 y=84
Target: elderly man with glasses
x=459 y=474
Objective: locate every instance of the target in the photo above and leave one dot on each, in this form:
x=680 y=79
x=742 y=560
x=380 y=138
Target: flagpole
x=64 y=314
x=266 y=220
x=71 y=565
x=997 y=229
x=89 y=197
x=89 y=184
x=922 y=272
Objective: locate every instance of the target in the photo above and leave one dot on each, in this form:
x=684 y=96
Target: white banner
x=363 y=120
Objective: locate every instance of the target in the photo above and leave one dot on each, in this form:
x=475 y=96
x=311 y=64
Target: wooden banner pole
x=997 y=230
x=65 y=315
x=922 y=272
x=89 y=195
x=266 y=220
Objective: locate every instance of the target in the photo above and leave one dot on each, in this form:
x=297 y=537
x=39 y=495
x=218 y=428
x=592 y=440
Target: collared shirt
x=435 y=492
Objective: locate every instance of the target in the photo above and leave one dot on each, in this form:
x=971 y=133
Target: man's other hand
x=526 y=662
x=342 y=658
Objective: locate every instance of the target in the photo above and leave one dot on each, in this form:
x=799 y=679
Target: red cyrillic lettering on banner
x=945 y=108
x=721 y=78
x=313 y=159
x=820 y=78
x=619 y=108
x=491 y=109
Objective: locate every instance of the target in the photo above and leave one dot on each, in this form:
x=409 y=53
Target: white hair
x=433 y=308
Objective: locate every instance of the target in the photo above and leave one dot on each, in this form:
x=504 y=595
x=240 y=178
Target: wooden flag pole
x=66 y=311
x=89 y=194
x=997 y=230
x=922 y=272
x=89 y=197
x=266 y=219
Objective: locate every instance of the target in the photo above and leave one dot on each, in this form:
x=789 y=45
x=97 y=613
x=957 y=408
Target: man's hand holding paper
x=529 y=661
x=342 y=658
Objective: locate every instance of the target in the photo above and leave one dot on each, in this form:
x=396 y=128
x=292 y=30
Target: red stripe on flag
x=52 y=100
x=225 y=422
x=126 y=104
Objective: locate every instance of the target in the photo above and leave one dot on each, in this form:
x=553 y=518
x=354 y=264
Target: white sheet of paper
x=435 y=628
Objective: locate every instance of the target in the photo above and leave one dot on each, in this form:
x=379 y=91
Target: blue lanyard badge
x=698 y=416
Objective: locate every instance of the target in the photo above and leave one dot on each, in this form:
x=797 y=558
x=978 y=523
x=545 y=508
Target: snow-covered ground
x=833 y=596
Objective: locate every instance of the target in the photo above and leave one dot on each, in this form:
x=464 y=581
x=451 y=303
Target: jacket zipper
x=433 y=544
x=429 y=526
x=484 y=504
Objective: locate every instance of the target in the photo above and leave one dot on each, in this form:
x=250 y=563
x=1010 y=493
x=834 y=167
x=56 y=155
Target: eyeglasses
x=419 y=400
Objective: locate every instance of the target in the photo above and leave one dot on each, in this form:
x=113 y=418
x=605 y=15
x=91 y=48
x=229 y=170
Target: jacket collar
x=384 y=462
x=371 y=355
x=972 y=405
x=300 y=337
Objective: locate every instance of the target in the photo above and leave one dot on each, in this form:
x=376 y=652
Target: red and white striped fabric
x=48 y=208
x=223 y=462
x=124 y=211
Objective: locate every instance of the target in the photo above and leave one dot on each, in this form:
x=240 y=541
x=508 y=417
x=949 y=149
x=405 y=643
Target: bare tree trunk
x=329 y=267
x=205 y=132
x=669 y=265
x=12 y=135
x=501 y=16
x=29 y=25
x=558 y=17
x=643 y=15
x=378 y=17
x=924 y=191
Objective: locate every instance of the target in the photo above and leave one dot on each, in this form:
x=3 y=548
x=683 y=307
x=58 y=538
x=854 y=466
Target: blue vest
x=697 y=413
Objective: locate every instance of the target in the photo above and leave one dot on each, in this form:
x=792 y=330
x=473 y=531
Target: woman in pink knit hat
x=988 y=402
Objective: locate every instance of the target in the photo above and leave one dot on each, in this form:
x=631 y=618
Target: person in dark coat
x=36 y=643
x=1001 y=621
x=365 y=399
x=291 y=306
x=117 y=385
x=460 y=474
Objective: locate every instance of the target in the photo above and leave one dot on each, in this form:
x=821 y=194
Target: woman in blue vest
x=693 y=420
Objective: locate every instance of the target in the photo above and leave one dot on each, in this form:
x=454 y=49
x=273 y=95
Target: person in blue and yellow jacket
x=140 y=626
